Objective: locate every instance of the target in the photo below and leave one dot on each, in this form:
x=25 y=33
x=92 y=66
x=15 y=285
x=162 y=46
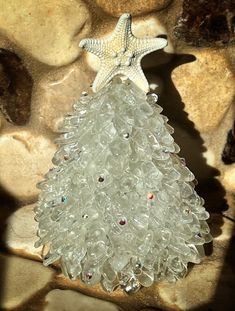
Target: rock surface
x=22 y=233
x=60 y=300
x=206 y=86
x=206 y=23
x=118 y=7
x=48 y=30
x=15 y=88
x=24 y=159
x=228 y=178
x=55 y=95
x=22 y=279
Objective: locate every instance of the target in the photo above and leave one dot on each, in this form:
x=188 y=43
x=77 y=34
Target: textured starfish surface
x=121 y=54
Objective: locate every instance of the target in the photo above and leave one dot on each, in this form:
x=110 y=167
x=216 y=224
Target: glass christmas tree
x=119 y=207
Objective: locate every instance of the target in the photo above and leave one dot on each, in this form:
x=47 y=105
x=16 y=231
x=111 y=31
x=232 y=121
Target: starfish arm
x=122 y=32
x=105 y=74
x=136 y=75
x=121 y=53
x=95 y=46
x=145 y=46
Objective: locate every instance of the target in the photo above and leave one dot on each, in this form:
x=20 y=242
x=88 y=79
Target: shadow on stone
x=188 y=138
x=206 y=23
x=228 y=155
x=15 y=88
x=192 y=149
x=8 y=206
x=223 y=298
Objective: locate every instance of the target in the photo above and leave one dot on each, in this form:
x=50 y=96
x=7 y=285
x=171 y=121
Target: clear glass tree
x=119 y=207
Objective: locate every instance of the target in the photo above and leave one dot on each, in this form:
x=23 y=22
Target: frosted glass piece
x=203 y=215
x=207 y=238
x=108 y=272
x=97 y=251
x=121 y=126
x=118 y=147
x=146 y=109
x=140 y=220
x=119 y=261
x=146 y=278
x=90 y=276
x=109 y=286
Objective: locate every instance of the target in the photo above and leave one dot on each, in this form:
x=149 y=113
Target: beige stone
x=210 y=157
x=20 y=279
x=149 y=26
x=24 y=159
x=55 y=95
x=21 y=233
x=118 y=7
x=48 y=30
x=60 y=300
x=206 y=87
x=228 y=178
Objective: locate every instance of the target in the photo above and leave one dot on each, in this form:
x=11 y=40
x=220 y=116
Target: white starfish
x=121 y=53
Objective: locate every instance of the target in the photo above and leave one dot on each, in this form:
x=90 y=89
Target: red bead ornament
x=88 y=276
x=150 y=196
x=100 y=179
x=122 y=222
